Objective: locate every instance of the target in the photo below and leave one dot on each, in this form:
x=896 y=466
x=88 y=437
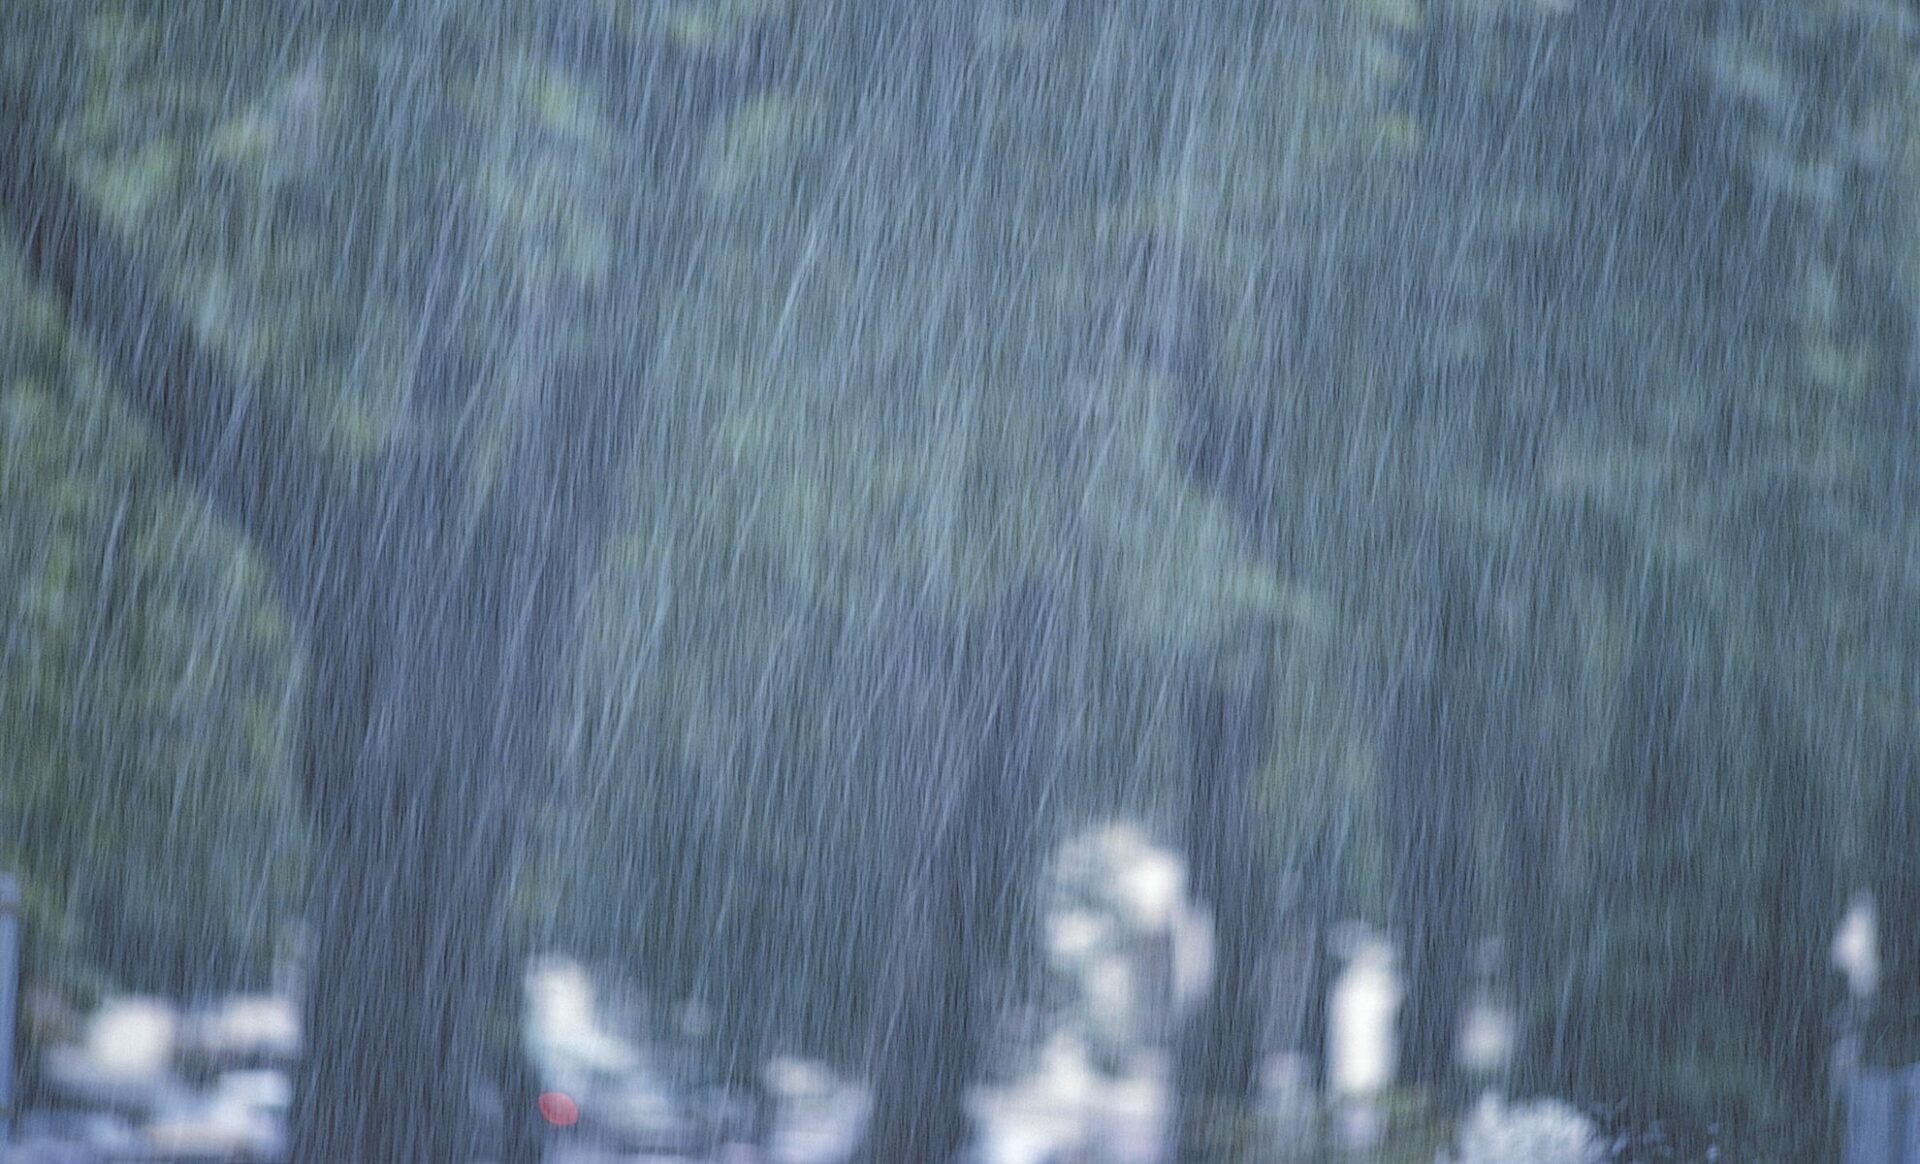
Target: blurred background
x=1009 y=580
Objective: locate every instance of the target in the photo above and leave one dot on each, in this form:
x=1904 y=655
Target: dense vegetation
x=724 y=485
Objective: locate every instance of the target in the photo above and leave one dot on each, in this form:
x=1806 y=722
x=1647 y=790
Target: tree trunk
x=1322 y=888
x=1534 y=937
x=748 y=1003
x=932 y=1048
x=1893 y=1028
x=1625 y=1016
x=433 y=679
x=1220 y=1050
x=965 y=907
x=1797 y=992
x=1431 y=791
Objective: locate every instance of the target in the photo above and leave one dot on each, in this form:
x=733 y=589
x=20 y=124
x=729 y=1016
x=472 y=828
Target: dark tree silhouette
x=974 y=707
x=435 y=650
x=1228 y=852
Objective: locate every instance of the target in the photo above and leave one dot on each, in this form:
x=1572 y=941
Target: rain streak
x=960 y=582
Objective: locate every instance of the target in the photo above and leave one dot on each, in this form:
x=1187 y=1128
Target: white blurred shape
x=252 y=1024
x=1856 y=949
x=564 y=1030
x=1541 y=1131
x=1075 y=934
x=1486 y=1037
x=1192 y=957
x=1366 y=998
x=132 y=1038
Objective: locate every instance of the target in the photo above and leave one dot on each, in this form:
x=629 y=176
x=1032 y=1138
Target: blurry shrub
x=1538 y=1132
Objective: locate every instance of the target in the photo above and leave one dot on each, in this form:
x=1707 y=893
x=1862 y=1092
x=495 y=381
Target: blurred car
x=54 y=1137
x=244 y=1119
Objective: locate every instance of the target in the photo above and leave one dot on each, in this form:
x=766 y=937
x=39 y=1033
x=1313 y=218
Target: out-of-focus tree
x=356 y=278
x=131 y=623
x=1543 y=328
x=1535 y=376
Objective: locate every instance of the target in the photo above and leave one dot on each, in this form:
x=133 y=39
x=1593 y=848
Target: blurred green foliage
x=1614 y=314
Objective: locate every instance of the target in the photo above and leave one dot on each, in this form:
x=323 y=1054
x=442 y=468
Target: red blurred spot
x=559 y=1109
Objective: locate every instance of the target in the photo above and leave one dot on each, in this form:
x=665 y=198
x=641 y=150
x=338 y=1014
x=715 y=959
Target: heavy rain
x=933 y=581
